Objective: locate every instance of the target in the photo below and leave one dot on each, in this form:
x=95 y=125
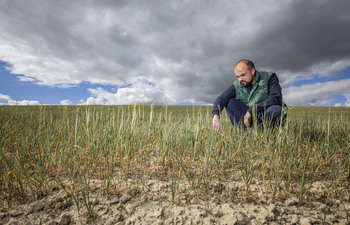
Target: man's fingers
x=217 y=128
x=247 y=119
x=216 y=124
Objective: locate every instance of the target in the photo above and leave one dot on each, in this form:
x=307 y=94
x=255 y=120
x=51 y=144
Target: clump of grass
x=43 y=144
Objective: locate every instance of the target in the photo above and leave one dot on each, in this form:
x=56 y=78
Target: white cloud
x=329 y=69
x=6 y=100
x=23 y=102
x=66 y=102
x=4 y=97
x=316 y=94
x=141 y=92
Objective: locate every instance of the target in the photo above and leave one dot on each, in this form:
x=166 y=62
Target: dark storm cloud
x=185 y=49
x=305 y=34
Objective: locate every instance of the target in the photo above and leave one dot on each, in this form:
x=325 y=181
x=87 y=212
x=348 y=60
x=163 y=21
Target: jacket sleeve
x=221 y=101
x=275 y=95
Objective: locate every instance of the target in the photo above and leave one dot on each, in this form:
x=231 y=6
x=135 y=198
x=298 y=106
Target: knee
x=274 y=109
x=233 y=102
x=235 y=106
x=235 y=110
x=232 y=106
x=274 y=112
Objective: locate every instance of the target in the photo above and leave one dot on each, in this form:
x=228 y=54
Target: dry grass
x=70 y=145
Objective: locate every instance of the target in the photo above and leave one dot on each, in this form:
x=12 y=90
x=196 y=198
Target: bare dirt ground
x=152 y=203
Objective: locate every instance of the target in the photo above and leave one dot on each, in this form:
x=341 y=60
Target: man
x=253 y=93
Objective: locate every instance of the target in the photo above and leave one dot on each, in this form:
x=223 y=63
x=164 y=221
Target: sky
x=71 y=52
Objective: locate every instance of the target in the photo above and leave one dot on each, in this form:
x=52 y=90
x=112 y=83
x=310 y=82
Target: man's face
x=244 y=75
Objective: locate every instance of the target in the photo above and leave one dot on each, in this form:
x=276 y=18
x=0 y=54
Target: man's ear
x=253 y=71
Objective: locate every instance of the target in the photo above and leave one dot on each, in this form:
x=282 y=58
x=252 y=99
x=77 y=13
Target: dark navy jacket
x=275 y=97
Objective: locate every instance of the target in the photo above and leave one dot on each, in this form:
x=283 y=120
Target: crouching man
x=255 y=93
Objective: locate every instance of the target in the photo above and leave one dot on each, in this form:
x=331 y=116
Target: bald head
x=247 y=62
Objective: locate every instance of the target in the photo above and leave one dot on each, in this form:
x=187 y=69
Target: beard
x=245 y=83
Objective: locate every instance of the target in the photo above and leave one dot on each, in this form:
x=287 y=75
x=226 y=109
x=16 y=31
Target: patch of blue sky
x=10 y=86
x=344 y=74
x=338 y=98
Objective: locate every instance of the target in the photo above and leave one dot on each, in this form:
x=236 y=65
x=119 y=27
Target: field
x=165 y=165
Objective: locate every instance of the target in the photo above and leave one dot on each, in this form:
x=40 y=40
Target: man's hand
x=247 y=119
x=216 y=123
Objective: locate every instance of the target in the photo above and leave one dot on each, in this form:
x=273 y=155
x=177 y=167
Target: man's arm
x=275 y=95
x=220 y=103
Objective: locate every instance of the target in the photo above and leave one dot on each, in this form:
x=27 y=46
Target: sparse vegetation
x=46 y=146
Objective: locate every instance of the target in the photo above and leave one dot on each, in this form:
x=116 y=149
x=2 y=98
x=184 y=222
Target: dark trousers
x=271 y=116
